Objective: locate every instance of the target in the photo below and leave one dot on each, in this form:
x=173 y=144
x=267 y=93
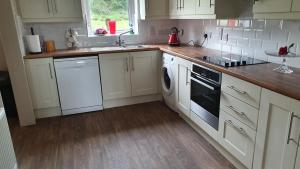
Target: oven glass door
x=206 y=94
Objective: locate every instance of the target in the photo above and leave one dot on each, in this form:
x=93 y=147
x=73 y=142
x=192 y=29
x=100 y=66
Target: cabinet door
x=115 y=76
x=174 y=6
x=42 y=83
x=298 y=158
x=144 y=73
x=156 y=8
x=188 y=7
x=67 y=8
x=205 y=7
x=277 y=133
x=183 y=87
x=270 y=6
x=296 y=6
x=35 y=9
x=237 y=138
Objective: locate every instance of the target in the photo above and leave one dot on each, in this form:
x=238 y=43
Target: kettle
x=173 y=37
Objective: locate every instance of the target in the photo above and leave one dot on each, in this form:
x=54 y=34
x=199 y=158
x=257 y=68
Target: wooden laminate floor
x=144 y=136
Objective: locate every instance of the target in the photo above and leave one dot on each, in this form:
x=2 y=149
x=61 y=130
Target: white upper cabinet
x=277 y=9
x=265 y=6
x=154 y=9
x=115 y=76
x=42 y=82
x=50 y=10
x=205 y=7
x=296 y=6
x=144 y=73
x=278 y=132
x=183 y=86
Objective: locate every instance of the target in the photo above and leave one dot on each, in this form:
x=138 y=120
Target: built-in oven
x=205 y=94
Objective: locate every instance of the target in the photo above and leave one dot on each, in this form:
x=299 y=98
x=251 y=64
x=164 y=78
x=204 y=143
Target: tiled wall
x=246 y=37
x=149 y=32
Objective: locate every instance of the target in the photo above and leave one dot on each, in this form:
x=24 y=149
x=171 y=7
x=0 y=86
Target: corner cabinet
x=278 y=132
x=183 y=85
x=50 y=10
x=276 y=9
x=125 y=75
x=43 y=87
x=153 y=9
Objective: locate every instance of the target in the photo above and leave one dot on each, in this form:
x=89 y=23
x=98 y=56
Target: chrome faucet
x=120 y=42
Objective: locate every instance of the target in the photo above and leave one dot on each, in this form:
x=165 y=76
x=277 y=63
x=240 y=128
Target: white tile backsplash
x=249 y=37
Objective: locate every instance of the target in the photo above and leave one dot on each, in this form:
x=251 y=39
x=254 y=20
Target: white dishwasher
x=79 y=84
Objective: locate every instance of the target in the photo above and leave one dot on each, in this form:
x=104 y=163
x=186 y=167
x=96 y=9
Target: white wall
x=246 y=37
x=13 y=54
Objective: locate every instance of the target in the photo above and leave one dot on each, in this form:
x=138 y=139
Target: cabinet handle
x=182 y=4
x=187 y=76
x=211 y=4
x=239 y=129
x=127 y=64
x=55 y=6
x=237 y=90
x=147 y=4
x=50 y=71
x=199 y=3
x=177 y=5
x=132 y=63
x=290 y=128
x=48 y=6
x=242 y=114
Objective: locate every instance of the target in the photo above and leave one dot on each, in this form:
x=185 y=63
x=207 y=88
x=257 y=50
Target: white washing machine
x=168 y=80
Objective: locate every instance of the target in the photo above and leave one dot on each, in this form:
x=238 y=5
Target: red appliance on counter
x=173 y=37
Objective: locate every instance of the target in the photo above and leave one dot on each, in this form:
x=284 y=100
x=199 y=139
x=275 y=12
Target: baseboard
x=214 y=143
x=131 y=101
x=47 y=112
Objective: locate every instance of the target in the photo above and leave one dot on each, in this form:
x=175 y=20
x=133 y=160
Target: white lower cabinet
x=237 y=138
x=115 y=75
x=183 y=86
x=144 y=71
x=43 y=87
x=125 y=75
x=278 y=132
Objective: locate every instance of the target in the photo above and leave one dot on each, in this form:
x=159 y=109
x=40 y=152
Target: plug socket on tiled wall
x=247 y=37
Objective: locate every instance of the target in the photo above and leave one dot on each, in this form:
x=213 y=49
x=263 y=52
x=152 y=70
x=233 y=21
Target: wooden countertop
x=261 y=75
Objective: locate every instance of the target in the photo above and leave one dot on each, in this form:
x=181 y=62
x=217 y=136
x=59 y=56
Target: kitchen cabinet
x=278 y=132
x=237 y=138
x=144 y=73
x=50 y=10
x=277 y=9
x=43 y=87
x=270 y=6
x=207 y=9
x=298 y=158
x=183 y=85
x=153 y=9
x=115 y=76
x=125 y=75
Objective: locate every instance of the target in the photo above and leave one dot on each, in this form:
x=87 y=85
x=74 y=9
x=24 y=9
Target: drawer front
x=242 y=90
x=237 y=138
x=240 y=110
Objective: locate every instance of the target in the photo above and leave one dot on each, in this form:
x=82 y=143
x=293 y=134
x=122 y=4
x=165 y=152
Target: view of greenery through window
x=109 y=9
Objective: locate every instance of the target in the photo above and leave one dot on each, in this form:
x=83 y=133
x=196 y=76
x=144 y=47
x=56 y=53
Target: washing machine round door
x=167 y=80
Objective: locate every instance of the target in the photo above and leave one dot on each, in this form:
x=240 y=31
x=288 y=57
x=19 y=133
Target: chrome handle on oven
x=204 y=84
x=237 y=90
x=239 y=129
x=242 y=114
x=290 y=129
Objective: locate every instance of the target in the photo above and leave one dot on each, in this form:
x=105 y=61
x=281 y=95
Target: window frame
x=132 y=16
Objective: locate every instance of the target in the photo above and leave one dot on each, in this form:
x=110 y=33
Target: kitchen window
x=100 y=11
